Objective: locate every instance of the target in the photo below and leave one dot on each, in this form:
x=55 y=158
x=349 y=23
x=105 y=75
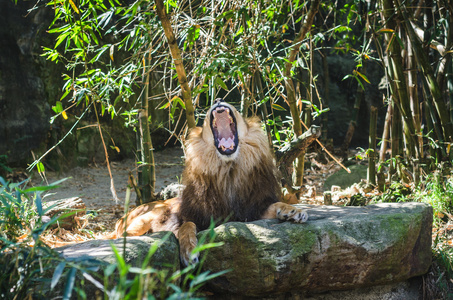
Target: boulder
x=98 y=255
x=137 y=247
x=344 y=179
x=339 y=248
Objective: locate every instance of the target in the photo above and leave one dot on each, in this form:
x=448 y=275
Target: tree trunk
x=288 y=154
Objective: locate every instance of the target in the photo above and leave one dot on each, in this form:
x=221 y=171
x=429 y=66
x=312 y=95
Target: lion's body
x=238 y=190
x=230 y=175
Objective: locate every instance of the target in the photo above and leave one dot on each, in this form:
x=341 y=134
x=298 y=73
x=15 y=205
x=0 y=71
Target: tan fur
x=242 y=186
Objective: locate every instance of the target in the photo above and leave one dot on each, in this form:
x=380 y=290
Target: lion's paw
x=187 y=257
x=288 y=212
x=187 y=236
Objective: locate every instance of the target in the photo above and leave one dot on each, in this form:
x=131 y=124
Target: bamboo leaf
x=386 y=30
x=278 y=107
x=363 y=76
x=165 y=106
x=69 y=284
x=74 y=7
x=58 y=108
x=38 y=203
x=221 y=83
x=115 y=148
x=57 y=274
x=112 y=49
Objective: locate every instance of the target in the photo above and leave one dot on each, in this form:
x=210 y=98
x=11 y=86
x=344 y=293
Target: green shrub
x=32 y=270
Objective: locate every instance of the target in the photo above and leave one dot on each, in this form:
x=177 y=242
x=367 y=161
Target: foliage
x=396 y=192
x=3 y=164
x=226 y=46
x=439 y=194
x=23 y=257
x=436 y=190
x=31 y=269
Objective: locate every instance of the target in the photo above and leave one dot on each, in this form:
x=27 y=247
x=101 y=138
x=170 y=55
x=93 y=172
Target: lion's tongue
x=226 y=137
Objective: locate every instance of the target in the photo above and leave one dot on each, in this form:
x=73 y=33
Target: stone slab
x=339 y=248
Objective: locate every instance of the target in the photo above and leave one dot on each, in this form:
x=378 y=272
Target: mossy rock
x=339 y=248
x=345 y=179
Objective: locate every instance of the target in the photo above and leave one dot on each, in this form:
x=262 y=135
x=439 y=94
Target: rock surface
x=98 y=254
x=373 y=249
x=344 y=179
x=137 y=247
x=24 y=111
x=339 y=248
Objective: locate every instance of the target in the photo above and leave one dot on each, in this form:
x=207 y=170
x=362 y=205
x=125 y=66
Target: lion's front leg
x=285 y=212
x=187 y=236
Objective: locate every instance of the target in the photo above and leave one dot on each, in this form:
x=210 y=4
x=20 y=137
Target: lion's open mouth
x=224 y=129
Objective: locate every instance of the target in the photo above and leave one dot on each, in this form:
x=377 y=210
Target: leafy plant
x=3 y=164
x=23 y=257
x=31 y=269
x=438 y=193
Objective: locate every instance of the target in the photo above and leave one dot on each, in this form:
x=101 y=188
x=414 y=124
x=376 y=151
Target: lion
x=230 y=175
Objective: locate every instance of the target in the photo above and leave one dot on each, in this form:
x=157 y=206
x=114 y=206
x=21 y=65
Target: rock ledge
x=339 y=248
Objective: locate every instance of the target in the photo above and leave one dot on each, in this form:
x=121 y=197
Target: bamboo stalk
x=325 y=99
x=372 y=147
x=360 y=94
x=385 y=134
x=264 y=113
x=399 y=81
x=289 y=85
x=415 y=108
x=428 y=73
x=179 y=66
x=395 y=137
x=148 y=177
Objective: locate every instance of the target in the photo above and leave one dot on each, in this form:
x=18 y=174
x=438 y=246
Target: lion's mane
x=239 y=188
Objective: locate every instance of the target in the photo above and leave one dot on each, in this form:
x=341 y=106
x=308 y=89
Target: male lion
x=230 y=175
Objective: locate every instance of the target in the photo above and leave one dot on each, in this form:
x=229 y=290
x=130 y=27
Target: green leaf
x=57 y=274
x=122 y=266
x=221 y=83
x=69 y=284
x=363 y=76
x=277 y=134
x=112 y=49
x=109 y=270
x=38 y=203
x=58 y=108
x=40 y=167
x=278 y=107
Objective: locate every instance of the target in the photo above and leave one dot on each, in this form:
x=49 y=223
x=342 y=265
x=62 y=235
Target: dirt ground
x=92 y=185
